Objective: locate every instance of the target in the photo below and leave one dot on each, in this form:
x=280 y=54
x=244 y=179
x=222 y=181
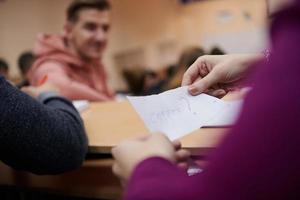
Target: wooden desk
x=93 y=180
x=107 y=124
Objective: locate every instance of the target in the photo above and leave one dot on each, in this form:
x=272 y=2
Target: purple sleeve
x=148 y=182
x=260 y=158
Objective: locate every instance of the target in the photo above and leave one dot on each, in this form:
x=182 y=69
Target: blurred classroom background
x=151 y=42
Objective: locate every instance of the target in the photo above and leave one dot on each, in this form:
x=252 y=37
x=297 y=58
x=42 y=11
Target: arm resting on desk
x=68 y=87
x=42 y=139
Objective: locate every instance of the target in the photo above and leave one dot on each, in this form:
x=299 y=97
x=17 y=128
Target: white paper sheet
x=176 y=113
x=228 y=116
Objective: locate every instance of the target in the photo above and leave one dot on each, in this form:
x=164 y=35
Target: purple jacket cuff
x=151 y=177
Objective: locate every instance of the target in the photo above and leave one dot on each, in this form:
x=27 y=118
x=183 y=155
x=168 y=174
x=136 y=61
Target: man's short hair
x=3 y=65
x=77 y=5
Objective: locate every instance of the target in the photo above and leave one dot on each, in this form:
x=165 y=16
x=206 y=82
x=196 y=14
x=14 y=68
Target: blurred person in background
x=72 y=61
x=216 y=51
x=4 y=68
x=187 y=58
x=25 y=62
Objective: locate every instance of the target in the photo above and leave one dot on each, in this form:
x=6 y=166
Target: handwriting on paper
x=176 y=113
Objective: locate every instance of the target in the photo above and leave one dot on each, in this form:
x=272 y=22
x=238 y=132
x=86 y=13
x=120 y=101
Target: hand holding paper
x=177 y=113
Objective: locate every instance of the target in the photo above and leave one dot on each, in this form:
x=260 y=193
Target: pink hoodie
x=75 y=79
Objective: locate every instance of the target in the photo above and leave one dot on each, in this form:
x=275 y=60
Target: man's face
x=89 y=34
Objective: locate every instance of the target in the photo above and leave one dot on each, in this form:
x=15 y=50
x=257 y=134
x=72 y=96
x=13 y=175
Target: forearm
x=244 y=66
x=41 y=139
x=246 y=62
x=67 y=86
x=53 y=100
x=250 y=59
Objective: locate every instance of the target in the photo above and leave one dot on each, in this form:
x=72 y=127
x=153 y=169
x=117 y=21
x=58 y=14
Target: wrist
x=247 y=60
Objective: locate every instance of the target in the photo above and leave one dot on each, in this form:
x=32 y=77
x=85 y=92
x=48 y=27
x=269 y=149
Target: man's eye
x=106 y=28
x=90 y=27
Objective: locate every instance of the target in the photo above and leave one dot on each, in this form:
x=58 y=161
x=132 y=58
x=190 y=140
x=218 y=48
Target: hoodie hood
x=53 y=47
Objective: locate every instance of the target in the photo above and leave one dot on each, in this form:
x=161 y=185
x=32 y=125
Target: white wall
x=21 y=20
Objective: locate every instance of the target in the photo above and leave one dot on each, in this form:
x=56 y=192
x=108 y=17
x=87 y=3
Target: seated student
x=25 y=62
x=4 y=68
x=188 y=57
x=259 y=158
x=216 y=51
x=43 y=137
x=72 y=61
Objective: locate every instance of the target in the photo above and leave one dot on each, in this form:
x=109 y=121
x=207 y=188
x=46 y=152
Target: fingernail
x=193 y=89
x=222 y=92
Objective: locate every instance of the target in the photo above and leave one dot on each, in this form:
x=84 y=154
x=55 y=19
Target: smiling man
x=72 y=61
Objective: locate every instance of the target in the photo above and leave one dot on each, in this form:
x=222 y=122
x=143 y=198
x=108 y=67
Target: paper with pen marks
x=177 y=113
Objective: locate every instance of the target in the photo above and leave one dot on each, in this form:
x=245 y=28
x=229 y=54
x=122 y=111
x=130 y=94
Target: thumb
x=203 y=84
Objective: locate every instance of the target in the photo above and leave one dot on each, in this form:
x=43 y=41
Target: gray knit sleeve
x=45 y=137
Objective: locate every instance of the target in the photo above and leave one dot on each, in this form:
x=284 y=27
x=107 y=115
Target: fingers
x=199 y=78
x=203 y=84
x=193 y=72
x=203 y=71
x=118 y=173
x=182 y=155
x=217 y=93
x=117 y=170
x=177 y=145
x=114 y=151
x=183 y=166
